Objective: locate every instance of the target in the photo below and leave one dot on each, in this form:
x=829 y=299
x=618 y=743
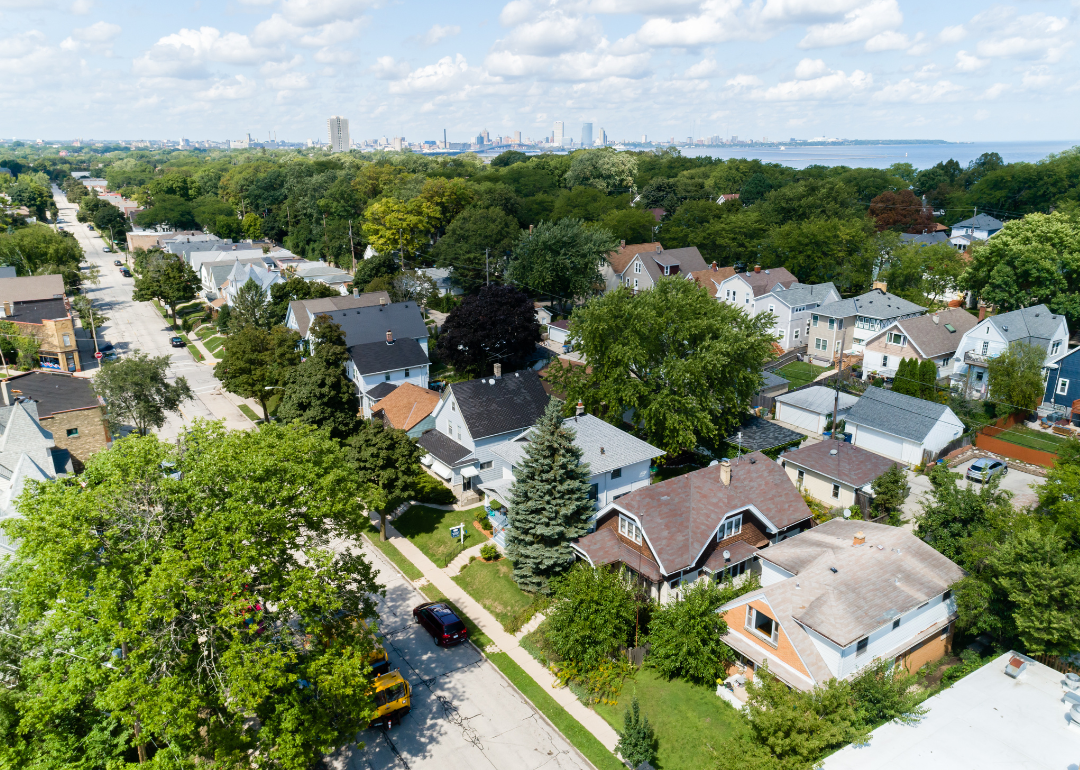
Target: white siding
x=770 y=573
x=893 y=447
x=799 y=417
x=947 y=428
x=829 y=652
x=884 y=640
x=555 y=334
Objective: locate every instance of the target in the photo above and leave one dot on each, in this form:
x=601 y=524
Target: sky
x=960 y=70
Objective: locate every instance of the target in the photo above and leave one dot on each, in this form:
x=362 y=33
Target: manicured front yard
x=690 y=721
x=800 y=373
x=214 y=344
x=429 y=530
x=1033 y=439
x=492 y=584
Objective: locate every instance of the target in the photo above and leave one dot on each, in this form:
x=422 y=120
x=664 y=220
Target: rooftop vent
x=859 y=538
x=1006 y=328
x=498 y=371
x=832 y=451
x=833 y=570
x=1015 y=667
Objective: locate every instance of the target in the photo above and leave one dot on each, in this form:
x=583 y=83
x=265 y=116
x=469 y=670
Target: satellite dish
x=847 y=513
x=714 y=462
x=727 y=555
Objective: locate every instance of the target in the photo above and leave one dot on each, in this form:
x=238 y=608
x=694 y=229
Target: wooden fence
x=987 y=439
x=784 y=360
x=1057 y=664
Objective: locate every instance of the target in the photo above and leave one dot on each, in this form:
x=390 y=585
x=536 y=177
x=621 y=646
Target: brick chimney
x=356 y=292
x=937 y=319
x=580 y=410
x=382 y=300
x=859 y=538
x=714 y=267
x=389 y=337
x=982 y=312
x=498 y=371
x=622 y=244
x=725 y=472
x=757 y=268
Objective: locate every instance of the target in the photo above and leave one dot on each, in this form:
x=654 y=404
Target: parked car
x=984 y=469
x=108 y=250
x=125 y=272
x=107 y=351
x=440 y=621
x=91 y=228
x=118 y=263
x=177 y=342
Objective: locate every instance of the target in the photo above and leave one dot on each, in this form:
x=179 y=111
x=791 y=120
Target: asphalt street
x=137 y=326
x=465 y=715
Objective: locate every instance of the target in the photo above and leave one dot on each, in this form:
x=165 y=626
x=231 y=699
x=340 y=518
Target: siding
x=820 y=487
x=612 y=523
x=770 y=573
x=784 y=651
x=885 y=640
x=893 y=447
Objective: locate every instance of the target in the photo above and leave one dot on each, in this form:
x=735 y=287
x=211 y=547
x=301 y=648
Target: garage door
x=880 y=443
x=797 y=416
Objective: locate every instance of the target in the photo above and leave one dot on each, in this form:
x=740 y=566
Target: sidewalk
x=589 y=719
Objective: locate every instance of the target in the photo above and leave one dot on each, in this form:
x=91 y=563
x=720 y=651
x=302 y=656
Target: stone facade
x=80 y=431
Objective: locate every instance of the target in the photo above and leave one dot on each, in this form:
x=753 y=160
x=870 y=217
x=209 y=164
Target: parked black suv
x=440 y=621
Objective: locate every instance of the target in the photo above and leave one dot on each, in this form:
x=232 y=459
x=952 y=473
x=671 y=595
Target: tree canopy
x=497 y=325
x=561 y=259
x=137 y=391
x=256 y=361
x=317 y=392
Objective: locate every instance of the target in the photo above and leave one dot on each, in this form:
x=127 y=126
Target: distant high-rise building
x=645 y=138
x=557 y=134
x=517 y=137
x=479 y=139
x=586 y=134
x=338 y=129
x=398 y=142
x=486 y=135
x=603 y=137
x=734 y=140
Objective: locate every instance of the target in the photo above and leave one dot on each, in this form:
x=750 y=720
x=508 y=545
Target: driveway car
x=984 y=469
x=91 y=228
x=440 y=621
x=107 y=350
x=177 y=342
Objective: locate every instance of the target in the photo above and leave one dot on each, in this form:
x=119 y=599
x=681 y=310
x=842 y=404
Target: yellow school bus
x=380 y=663
x=393 y=699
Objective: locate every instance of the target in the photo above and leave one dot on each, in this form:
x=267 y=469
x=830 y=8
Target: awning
x=469 y=471
x=427 y=460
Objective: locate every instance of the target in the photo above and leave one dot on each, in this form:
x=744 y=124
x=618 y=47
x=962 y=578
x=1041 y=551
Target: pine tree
x=928 y=378
x=902 y=379
x=637 y=743
x=550 y=505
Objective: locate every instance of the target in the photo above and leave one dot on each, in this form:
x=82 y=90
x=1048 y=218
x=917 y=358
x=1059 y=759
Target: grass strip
x=476 y=636
x=429 y=530
x=390 y=551
x=572 y=730
x=195 y=352
x=214 y=344
x=249 y=413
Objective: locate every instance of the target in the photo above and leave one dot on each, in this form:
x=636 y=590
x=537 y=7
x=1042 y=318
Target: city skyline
x=871 y=69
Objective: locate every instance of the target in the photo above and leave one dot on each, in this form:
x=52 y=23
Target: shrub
x=685 y=636
x=430 y=490
x=592 y=616
x=489 y=552
x=485 y=523
x=637 y=742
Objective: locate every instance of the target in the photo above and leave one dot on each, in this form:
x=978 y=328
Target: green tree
x=592 y=616
x=637 y=740
x=294 y=288
x=551 y=503
x=928 y=375
x=317 y=392
x=496 y=325
x=508 y=158
x=1016 y=381
x=110 y=220
x=605 y=169
x=40 y=250
x=686 y=364
x=169 y=278
x=630 y=225
x=137 y=392
x=20 y=348
x=841 y=251
x=387 y=462
x=252 y=226
x=189 y=606
x=903 y=382
x=952 y=515
x=754 y=189
x=250 y=307
x=891 y=490
x=401 y=227
x=475 y=247
x=169 y=210
x=90 y=317
x=561 y=259
x=256 y=361
x=369 y=269
x=685 y=636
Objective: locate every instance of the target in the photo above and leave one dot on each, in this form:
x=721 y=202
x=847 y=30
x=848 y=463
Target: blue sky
x=666 y=68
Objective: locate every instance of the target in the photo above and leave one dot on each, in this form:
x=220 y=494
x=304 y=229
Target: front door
x=466 y=483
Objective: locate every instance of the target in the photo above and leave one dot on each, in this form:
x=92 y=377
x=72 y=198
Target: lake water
x=883 y=156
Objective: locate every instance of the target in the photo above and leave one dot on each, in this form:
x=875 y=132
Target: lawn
x=204 y=332
x=492 y=584
x=249 y=413
x=390 y=551
x=691 y=721
x=1033 y=439
x=800 y=373
x=195 y=352
x=429 y=530
x=214 y=344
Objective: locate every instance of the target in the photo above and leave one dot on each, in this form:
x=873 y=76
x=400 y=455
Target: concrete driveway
x=464 y=716
x=1015 y=481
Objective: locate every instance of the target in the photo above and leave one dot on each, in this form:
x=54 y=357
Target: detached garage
x=559 y=332
x=902 y=428
x=811 y=408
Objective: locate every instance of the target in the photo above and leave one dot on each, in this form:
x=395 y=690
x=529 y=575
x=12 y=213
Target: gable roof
x=377 y=357
x=934 y=339
x=621 y=259
x=53 y=392
x=981 y=222
x=900 y=415
x=764 y=281
x=924 y=239
x=687 y=259
x=491 y=406
x=28 y=288
x=370 y=323
x=771 y=380
x=711 y=279
x=840 y=461
x=407 y=405
x=804 y=293
x=444 y=449
x=817 y=398
x=679 y=516
x=1035 y=324
x=603 y=446
x=304 y=310
x=873 y=304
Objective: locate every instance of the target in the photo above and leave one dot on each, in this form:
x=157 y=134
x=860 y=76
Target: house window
x=729 y=528
x=895 y=339
x=860 y=648
x=836 y=491
x=486 y=466
x=884 y=361
x=616 y=474
x=762 y=625
x=459 y=433
x=629 y=530
x=896 y=624
x=72 y=432
x=635 y=283
x=453 y=407
x=1053 y=348
x=802 y=475
x=945 y=361
x=814 y=319
x=979 y=375
x=985 y=348
x=594 y=491
x=388 y=377
x=67 y=341
x=771 y=308
x=1062 y=387
x=628 y=282
x=946 y=596
x=832 y=324
x=819 y=344
x=796 y=334
x=840 y=324
x=667 y=270
x=637 y=267
x=406 y=372
x=747 y=300
x=837 y=346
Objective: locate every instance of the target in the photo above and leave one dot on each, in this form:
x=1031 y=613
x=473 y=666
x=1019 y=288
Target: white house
x=742 y=289
x=902 y=428
x=618 y=462
x=474 y=417
x=243 y=272
x=840 y=596
x=793 y=307
x=980 y=227
x=991 y=336
x=388 y=362
x=812 y=408
x=932 y=337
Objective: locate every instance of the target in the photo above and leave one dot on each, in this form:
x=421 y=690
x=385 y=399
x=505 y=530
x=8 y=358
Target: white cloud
x=703 y=69
x=862 y=23
x=718 y=22
x=99 y=32
x=965 y=62
x=833 y=86
x=996 y=90
x=447 y=74
x=230 y=89
x=275 y=30
x=807 y=10
x=82 y=7
x=387 y=68
x=576 y=66
x=293 y=81
x=1034 y=36
x=890 y=41
x=744 y=81
x=313 y=13
x=810 y=68
x=333 y=34
x=439 y=32
x=908 y=90
x=982 y=114
x=952 y=34
x=277 y=68
x=553 y=32
x=1038 y=77
x=186 y=53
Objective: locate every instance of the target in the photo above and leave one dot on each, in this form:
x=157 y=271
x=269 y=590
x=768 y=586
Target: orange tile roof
x=407 y=405
x=621 y=258
x=706 y=277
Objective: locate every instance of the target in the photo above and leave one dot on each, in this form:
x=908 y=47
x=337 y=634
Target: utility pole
x=93 y=332
x=352 y=248
x=137 y=726
x=487 y=274
x=326 y=244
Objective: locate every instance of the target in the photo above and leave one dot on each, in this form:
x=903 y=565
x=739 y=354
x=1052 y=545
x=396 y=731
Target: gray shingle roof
x=817 y=399
x=873 y=304
x=54 y=392
x=37 y=311
x=443 y=448
x=981 y=222
x=804 y=293
x=759 y=433
x=31 y=287
x=900 y=415
x=771 y=380
x=492 y=406
x=304 y=309
x=376 y=357
x=369 y=324
x=1034 y=324
x=382 y=390
x=688 y=259
x=933 y=339
x=764 y=281
x=924 y=239
x=850 y=464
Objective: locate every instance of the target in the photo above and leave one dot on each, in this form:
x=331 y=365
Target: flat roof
x=987 y=719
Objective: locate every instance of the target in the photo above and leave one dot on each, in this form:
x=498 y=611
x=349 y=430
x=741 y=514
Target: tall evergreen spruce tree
x=550 y=505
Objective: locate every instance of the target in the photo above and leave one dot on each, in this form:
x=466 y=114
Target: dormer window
x=729 y=528
x=667 y=270
x=629 y=529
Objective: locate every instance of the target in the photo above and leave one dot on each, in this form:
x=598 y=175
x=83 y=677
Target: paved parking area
x=1016 y=481
x=464 y=715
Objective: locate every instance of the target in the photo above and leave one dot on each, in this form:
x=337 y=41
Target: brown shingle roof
x=605 y=547
x=711 y=279
x=29 y=288
x=679 y=516
x=408 y=405
x=764 y=281
x=933 y=339
x=688 y=260
x=850 y=465
x=621 y=258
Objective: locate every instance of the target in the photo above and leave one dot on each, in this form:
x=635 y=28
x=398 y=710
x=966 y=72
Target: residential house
x=51 y=324
x=30 y=288
x=473 y=418
x=647 y=267
x=811 y=409
x=302 y=312
x=27 y=453
x=742 y=289
x=793 y=307
x=67 y=407
x=321 y=272
x=934 y=337
x=388 y=361
x=845 y=325
x=707 y=524
x=980 y=227
x=613 y=269
x=242 y=272
x=992 y=336
x=1063 y=382
x=832 y=471
x=711 y=277
x=441 y=277
x=902 y=428
x=727 y=198
x=559 y=332
x=924 y=238
x=839 y=597
x=756 y=434
x=215 y=275
x=618 y=462
x=772 y=385
x=407 y=407
x=370 y=322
